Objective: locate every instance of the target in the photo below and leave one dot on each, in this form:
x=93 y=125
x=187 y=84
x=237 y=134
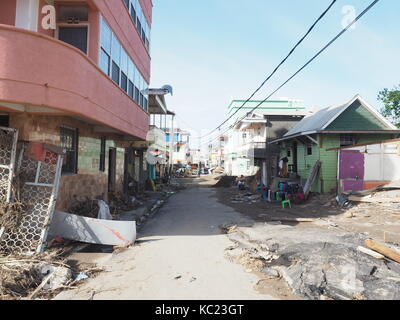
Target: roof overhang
x=246 y=124
x=335 y=132
x=157 y=104
x=365 y=144
x=294 y=136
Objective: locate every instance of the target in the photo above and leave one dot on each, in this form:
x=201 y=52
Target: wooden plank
x=293 y=219
x=370 y=252
x=40 y=287
x=383 y=249
x=311 y=178
x=373 y=200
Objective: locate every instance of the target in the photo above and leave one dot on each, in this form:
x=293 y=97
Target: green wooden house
x=313 y=138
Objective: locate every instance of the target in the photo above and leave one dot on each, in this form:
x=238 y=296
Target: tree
x=391 y=101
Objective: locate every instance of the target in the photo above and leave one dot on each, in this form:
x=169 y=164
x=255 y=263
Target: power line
x=305 y=65
x=276 y=69
x=186 y=123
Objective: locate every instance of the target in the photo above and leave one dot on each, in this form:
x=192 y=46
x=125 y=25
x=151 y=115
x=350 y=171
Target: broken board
x=311 y=178
x=373 y=200
x=94 y=231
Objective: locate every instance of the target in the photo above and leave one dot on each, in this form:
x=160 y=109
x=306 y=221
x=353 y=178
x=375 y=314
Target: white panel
x=391 y=168
x=374 y=148
x=373 y=167
x=27 y=14
x=391 y=148
x=361 y=149
x=89 y=230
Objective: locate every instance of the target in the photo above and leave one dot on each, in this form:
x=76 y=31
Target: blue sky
x=211 y=51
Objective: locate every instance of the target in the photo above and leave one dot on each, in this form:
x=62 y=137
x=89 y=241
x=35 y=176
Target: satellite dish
x=167 y=88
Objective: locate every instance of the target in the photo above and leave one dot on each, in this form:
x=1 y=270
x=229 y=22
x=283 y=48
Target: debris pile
x=11 y=214
x=225 y=182
x=38 y=276
x=84 y=207
x=118 y=205
x=319 y=264
x=246 y=197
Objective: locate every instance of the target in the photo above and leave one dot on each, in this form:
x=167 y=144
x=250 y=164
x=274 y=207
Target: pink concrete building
x=81 y=83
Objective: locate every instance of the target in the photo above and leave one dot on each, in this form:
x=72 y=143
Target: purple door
x=352 y=166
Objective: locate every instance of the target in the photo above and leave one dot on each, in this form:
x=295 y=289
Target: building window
x=139 y=27
x=133 y=14
x=289 y=154
x=139 y=21
x=69 y=141
x=131 y=89
x=141 y=100
x=137 y=95
x=102 y=167
x=347 y=140
x=124 y=82
x=75 y=36
x=116 y=63
x=309 y=149
x=105 y=62
x=115 y=73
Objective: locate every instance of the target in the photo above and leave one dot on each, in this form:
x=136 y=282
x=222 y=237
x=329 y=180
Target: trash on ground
x=81 y=276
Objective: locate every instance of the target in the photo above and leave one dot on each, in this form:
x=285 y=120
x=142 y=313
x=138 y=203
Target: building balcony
x=42 y=75
x=157 y=138
x=253 y=150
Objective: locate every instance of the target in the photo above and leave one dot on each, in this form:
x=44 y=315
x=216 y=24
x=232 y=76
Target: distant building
x=181 y=141
x=247 y=150
x=320 y=136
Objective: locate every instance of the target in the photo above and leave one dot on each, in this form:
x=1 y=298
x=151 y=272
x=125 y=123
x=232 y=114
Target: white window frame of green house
x=112 y=53
x=309 y=149
x=139 y=20
x=347 y=140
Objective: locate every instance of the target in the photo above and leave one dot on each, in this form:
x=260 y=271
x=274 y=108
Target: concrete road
x=180 y=255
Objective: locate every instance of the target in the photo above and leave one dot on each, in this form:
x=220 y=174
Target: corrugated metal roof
x=316 y=121
x=321 y=119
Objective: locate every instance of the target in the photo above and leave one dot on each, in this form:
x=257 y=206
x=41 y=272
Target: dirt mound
x=225 y=182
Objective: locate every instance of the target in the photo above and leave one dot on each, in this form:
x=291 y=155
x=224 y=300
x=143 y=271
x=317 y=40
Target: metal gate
x=8 y=149
x=38 y=192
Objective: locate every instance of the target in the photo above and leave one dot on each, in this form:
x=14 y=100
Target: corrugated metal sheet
x=318 y=120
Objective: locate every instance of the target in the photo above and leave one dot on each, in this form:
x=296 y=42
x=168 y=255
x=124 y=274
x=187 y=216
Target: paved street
x=179 y=255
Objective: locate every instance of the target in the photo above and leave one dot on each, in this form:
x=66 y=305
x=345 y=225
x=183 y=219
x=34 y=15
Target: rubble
x=225 y=182
x=316 y=262
x=11 y=214
x=37 y=276
x=83 y=206
x=60 y=275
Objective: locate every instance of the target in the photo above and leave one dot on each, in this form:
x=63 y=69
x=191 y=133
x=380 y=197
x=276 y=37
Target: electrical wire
x=304 y=66
x=276 y=68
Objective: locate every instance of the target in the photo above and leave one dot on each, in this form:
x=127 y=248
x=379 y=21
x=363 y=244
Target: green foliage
x=391 y=101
